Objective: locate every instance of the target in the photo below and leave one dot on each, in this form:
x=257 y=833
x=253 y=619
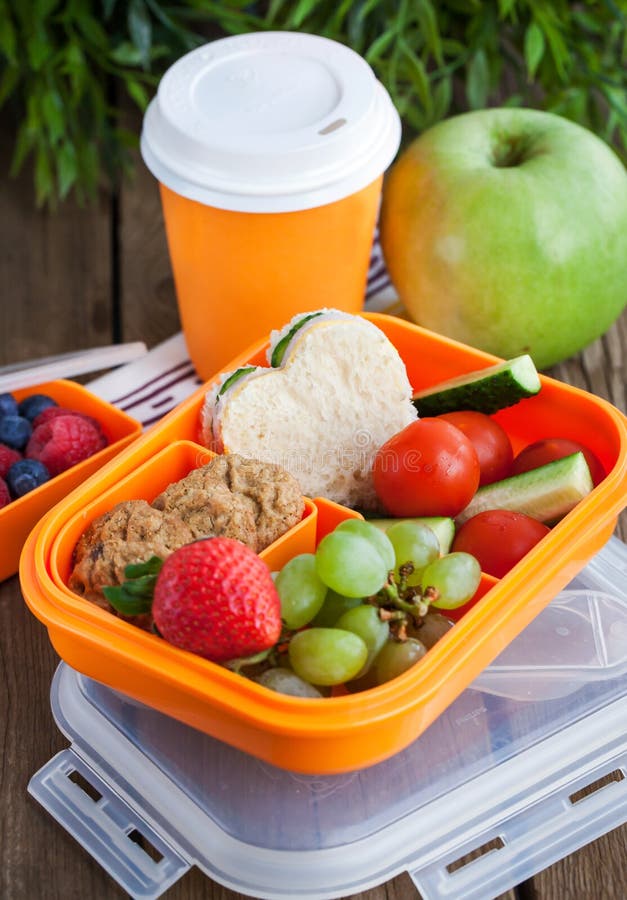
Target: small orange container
x=341 y=733
x=18 y=518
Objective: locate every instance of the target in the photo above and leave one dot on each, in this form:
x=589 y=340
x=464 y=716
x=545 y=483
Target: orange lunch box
x=18 y=517
x=340 y=733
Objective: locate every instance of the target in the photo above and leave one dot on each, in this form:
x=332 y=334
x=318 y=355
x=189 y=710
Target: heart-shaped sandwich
x=336 y=389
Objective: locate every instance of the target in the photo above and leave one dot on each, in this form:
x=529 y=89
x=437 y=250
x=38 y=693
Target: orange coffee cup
x=270 y=150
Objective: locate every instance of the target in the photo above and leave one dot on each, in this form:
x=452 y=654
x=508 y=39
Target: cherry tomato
x=490 y=441
x=498 y=539
x=550 y=449
x=430 y=468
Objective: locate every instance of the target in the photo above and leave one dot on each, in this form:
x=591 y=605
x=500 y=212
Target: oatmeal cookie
x=252 y=501
x=131 y=532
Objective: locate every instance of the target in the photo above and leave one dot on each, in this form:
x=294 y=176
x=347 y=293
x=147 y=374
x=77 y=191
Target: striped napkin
x=161 y=379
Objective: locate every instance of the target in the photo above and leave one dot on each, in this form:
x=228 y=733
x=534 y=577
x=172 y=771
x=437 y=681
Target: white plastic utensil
x=64 y=365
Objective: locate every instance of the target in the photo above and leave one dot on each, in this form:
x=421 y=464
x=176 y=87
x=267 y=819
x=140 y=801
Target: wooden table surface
x=87 y=277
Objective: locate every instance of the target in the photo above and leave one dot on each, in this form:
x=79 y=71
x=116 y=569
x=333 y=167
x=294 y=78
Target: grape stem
x=401 y=596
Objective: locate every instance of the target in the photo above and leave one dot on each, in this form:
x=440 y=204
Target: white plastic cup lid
x=269 y=122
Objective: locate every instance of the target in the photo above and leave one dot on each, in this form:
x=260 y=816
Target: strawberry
x=63 y=442
x=214 y=597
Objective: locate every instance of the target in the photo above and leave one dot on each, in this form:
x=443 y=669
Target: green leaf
x=75 y=68
x=125 y=603
x=506 y=7
x=300 y=12
x=151 y=566
x=67 y=169
x=44 y=180
x=478 y=80
x=442 y=97
x=53 y=115
x=134 y=596
x=137 y=92
x=533 y=48
x=43 y=8
x=418 y=77
x=87 y=160
x=9 y=81
x=428 y=24
x=555 y=40
x=378 y=47
x=8 y=35
x=39 y=48
x=274 y=8
x=140 y=29
x=24 y=144
x=91 y=29
x=127 y=54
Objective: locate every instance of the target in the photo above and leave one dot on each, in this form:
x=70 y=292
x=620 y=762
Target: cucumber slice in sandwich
x=546 y=493
x=442 y=527
x=230 y=380
x=278 y=350
x=485 y=390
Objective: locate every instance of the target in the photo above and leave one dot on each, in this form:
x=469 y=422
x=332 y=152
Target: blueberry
x=8 y=405
x=30 y=407
x=25 y=475
x=15 y=431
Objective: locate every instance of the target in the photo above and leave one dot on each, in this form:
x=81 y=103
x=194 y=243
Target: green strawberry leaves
x=134 y=596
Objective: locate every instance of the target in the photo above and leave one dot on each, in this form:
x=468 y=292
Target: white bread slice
x=340 y=393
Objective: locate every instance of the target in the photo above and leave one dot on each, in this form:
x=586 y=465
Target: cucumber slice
x=442 y=526
x=279 y=351
x=546 y=493
x=486 y=390
x=233 y=377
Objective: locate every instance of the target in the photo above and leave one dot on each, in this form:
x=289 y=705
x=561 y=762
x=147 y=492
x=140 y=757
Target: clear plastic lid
x=269 y=122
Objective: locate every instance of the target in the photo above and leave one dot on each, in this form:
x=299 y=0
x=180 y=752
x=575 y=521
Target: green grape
x=284 y=681
x=396 y=657
x=348 y=564
x=300 y=589
x=415 y=543
x=377 y=538
x=327 y=656
x=430 y=629
x=364 y=621
x=333 y=607
x=455 y=577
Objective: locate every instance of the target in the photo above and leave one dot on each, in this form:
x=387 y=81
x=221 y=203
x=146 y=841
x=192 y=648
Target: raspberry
x=7 y=457
x=63 y=442
x=31 y=406
x=5 y=496
x=25 y=475
x=51 y=412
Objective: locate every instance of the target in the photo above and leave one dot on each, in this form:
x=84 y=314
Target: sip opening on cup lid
x=269 y=122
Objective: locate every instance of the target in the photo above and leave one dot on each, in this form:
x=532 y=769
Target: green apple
x=507 y=229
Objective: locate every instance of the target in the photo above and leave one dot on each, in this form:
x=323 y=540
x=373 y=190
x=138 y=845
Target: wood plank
x=148 y=309
x=55 y=271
